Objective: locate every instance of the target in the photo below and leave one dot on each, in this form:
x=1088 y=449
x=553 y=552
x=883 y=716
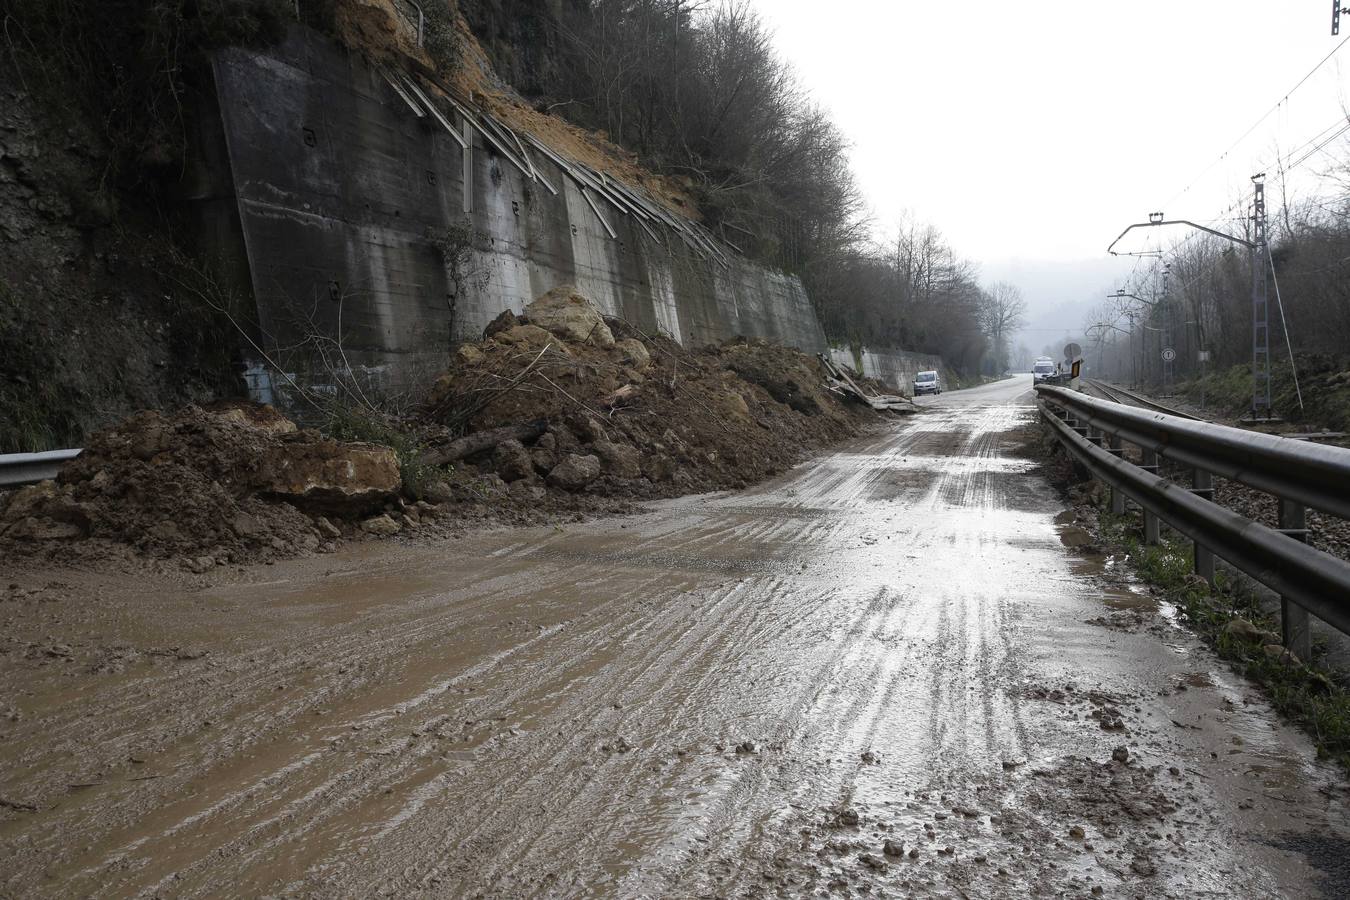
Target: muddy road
x=897 y=670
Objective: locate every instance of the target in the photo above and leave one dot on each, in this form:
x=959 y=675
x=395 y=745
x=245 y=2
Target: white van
x=1043 y=368
x=927 y=383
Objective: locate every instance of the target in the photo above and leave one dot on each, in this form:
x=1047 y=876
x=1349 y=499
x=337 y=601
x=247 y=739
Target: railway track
x=1117 y=394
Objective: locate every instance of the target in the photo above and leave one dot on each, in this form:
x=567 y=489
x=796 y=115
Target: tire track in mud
x=449 y=723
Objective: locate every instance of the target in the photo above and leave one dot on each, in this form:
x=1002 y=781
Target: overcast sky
x=1031 y=133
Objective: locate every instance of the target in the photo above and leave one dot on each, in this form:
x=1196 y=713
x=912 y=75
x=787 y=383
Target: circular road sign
x=1169 y=354
x=1072 y=351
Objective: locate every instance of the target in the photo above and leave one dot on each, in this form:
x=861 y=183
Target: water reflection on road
x=899 y=669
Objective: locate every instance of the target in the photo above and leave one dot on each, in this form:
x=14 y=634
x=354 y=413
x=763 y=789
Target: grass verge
x=1309 y=695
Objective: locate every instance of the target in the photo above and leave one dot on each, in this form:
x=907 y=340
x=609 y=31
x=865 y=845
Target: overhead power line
x=1257 y=124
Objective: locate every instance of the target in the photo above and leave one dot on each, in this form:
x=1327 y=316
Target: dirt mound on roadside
x=634 y=415
x=236 y=482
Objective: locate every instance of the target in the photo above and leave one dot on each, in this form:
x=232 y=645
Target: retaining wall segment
x=343 y=195
x=895 y=368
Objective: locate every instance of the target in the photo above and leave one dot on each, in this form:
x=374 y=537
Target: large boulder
x=570 y=316
x=575 y=472
x=327 y=476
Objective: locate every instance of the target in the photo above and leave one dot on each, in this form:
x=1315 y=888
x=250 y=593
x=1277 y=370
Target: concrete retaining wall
x=345 y=197
x=895 y=368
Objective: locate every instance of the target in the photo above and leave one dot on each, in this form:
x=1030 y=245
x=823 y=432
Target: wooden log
x=480 y=441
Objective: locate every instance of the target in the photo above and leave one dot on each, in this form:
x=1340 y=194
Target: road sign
x=1072 y=352
x=1169 y=354
x=1204 y=356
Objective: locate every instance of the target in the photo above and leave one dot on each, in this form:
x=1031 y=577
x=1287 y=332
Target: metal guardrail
x=28 y=468
x=1299 y=474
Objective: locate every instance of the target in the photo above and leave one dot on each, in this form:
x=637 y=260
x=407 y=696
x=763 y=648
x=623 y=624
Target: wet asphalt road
x=748 y=694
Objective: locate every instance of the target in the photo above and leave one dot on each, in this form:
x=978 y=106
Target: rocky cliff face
x=95 y=320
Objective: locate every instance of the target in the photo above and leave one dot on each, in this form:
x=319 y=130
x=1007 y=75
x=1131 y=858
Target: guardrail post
x=1202 y=484
x=1150 y=464
x=1294 y=624
x=1117 y=495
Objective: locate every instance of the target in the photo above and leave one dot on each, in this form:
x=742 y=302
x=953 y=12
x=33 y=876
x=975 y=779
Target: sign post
x=1073 y=355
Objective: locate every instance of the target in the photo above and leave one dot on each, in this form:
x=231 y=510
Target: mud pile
x=233 y=483
x=617 y=412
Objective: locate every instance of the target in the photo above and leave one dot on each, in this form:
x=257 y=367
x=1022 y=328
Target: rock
x=29 y=500
x=733 y=405
x=329 y=476
x=381 y=525
x=528 y=337
x=874 y=863
x=1077 y=833
x=1142 y=865
x=619 y=745
x=893 y=848
x=438 y=491
x=574 y=472
x=570 y=316
x=408 y=521
x=326 y=528
x=850 y=817
x=512 y=461
x=871 y=758
x=469 y=355
x=747 y=747
x=505 y=319
x=201 y=564
x=1243 y=630
x=564 y=441
x=1121 y=754
x=1282 y=654
x=634 y=354
x=245 y=525
x=588 y=430
x=547 y=441
x=543 y=460
x=621 y=460
x=659 y=467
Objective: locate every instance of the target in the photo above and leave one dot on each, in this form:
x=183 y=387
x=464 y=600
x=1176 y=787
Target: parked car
x=1043 y=369
x=927 y=383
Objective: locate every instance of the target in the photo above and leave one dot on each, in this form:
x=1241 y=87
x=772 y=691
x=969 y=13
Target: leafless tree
x=1002 y=312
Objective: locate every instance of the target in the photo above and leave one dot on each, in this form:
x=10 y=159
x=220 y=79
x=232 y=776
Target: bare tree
x=1002 y=312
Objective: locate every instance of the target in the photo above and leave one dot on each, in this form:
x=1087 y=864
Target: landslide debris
x=628 y=414
x=556 y=413
x=232 y=483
